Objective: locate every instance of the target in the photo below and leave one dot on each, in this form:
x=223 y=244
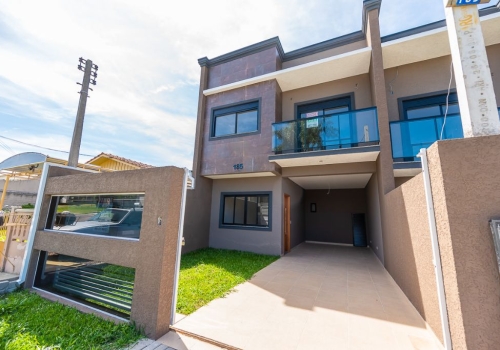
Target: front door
x=286 y=222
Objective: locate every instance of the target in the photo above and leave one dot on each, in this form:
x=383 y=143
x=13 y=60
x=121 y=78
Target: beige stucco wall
x=465 y=180
x=257 y=241
x=407 y=249
x=332 y=221
x=428 y=77
x=324 y=54
x=359 y=85
x=153 y=256
x=373 y=218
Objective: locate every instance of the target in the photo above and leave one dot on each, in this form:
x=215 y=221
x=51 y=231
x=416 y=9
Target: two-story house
x=303 y=145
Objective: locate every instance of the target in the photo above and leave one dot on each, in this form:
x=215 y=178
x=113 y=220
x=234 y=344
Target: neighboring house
x=302 y=145
x=112 y=162
x=19 y=174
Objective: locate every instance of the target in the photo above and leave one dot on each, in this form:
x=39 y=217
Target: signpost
x=476 y=97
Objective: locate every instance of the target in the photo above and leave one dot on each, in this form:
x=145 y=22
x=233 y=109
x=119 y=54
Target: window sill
x=246 y=228
x=214 y=138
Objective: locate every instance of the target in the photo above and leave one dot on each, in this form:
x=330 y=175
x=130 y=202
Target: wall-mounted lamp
x=313 y=207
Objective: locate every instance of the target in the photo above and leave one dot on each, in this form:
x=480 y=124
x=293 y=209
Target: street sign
x=452 y=3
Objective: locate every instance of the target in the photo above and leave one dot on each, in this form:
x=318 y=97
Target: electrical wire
x=47 y=148
x=6 y=147
x=447 y=98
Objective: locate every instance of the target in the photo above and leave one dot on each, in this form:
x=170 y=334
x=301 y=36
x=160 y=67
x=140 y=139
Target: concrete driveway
x=316 y=297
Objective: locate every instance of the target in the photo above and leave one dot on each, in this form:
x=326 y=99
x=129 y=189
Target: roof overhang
x=407 y=169
x=30 y=165
x=332 y=182
x=433 y=43
x=335 y=156
x=312 y=73
x=239 y=175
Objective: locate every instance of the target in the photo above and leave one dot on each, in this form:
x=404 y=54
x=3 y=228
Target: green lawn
x=79 y=209
x=208 y=274
x=29 y=322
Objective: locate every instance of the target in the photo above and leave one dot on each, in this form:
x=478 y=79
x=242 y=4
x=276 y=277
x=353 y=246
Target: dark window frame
x=318 y=101
x=246 y=194
x=235 y=108
x=429 y=99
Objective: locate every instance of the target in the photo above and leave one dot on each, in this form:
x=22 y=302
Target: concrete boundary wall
x=153 y=256
x=408 y=251
x=465 y=179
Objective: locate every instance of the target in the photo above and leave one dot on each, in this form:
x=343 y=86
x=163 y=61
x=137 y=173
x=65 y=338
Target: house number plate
x=238 y=166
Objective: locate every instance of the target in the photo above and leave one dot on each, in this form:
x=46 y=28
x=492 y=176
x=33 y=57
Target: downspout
x=180 y=241
x=445 y=325
x=34 y=223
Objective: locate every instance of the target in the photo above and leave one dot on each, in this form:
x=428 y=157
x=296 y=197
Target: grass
x=208 y=274
x=79 y=209
x=29 y=322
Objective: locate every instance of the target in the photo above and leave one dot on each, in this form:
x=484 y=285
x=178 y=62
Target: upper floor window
x=430 y=106
x=324 y=107
x=235 y=120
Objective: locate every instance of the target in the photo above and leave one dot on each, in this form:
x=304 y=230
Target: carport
x=316 y=297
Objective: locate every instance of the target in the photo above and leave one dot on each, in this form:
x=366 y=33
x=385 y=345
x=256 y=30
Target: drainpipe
x=180 y=240
x=34 y=223
x=445 y=325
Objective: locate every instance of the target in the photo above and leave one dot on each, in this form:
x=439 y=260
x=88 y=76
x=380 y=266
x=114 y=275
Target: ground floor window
x=249 y=210
x=97 y=284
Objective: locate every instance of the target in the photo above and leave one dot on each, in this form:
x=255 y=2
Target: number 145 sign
x=466 y=2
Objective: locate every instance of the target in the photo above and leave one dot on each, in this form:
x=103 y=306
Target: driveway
x=315 y=297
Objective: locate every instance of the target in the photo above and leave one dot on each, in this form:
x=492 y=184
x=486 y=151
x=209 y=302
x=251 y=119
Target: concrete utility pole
x=89 y=76
x=476 y=97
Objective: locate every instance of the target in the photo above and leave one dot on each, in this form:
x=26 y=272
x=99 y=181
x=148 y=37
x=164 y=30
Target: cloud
x=145 y=103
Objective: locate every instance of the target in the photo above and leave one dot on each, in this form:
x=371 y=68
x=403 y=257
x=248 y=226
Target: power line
x=47 y=148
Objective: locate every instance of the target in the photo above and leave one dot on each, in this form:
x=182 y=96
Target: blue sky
x=145 y=102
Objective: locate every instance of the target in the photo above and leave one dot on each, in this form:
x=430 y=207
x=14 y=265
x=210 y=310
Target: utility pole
x=89 y=77
x=476 y=97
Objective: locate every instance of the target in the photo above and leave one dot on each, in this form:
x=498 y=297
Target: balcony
x=409 y=136
x=347 y=137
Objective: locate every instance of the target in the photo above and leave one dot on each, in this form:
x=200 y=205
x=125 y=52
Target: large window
x=324 y=107
x=235 y=120
x=96 y=284
x=430 y=106
x=249 y=210
x=111 y=215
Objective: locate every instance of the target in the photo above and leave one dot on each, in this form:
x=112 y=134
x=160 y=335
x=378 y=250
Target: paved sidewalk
x=149 y=344
x=316 y=297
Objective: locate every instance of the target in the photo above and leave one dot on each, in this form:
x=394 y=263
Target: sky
x=145 y=102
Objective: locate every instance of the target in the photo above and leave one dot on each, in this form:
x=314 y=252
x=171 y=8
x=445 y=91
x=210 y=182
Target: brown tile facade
x=219 y=155
x=250 y=66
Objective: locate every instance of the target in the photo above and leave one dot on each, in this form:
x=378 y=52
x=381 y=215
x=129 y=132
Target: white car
x=114 y=222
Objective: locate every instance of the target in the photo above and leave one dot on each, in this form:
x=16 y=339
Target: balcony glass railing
x=409 y=136
x=326 y=132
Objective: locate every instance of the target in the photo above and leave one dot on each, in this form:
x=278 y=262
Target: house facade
x=320 y=145
x=303 y=145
